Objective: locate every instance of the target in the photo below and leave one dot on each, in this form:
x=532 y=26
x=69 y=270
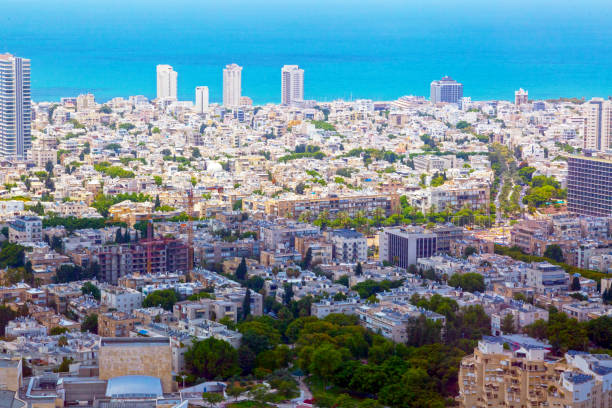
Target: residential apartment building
x=403 y=246
x=167 y=255
x=232 y=85
x=523 y=314
x=293 y=208
x=15 y=107
x=115 y=324
x=349 y=246
x=515 y=372
x=598 y=125
x=123 y=300
x=166 y=82
x=589 y=185
x=25 y=229
x=546 y=277
x=292 y=84
x=391 y=319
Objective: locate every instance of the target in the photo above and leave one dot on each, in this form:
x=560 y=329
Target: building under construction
x=166 y=255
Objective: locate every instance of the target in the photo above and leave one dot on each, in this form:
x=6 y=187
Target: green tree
x=6 y=315
x=235 y=391
x=212 y=399
x=246 y=304
x=469 y=251
x=358 y=269
x=576 y=284
x=470 y=282
x=241 y=270
x=421 y=331
x=307 y=259
x=90 y=324
x=212 y=358
x=57 y=331
x=325 y=361
x=91 y=289
x=165 y=299
x=554 y=252
x=507 y=324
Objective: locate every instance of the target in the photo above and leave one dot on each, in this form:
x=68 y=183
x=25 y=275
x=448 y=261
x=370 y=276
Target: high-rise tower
x=446 y=90
x=598 y=125
x=201 y=93
x=166 y=82
x=232 y=85
x=292 y=84
x=15 y=106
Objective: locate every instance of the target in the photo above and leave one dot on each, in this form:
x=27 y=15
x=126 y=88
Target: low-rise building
x=391 y=319
x=115 y=324
x=25 y=229
x=349 y=245
x=123 y=300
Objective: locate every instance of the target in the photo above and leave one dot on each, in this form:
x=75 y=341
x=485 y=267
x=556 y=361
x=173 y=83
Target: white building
x=166 y=82
x=15 y=106
x=25 y=327
x=349 y=246
x=25 y=229
x=545 y=277
x=292 y=84
x=201 y=96
x=232 y=85
x=121 y=299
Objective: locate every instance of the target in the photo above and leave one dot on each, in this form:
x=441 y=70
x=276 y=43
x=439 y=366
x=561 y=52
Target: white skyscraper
x=292 y=84
x=201 y=98
x=166 y=82
x=598 y=125
x=15 y=106
x=232 y=85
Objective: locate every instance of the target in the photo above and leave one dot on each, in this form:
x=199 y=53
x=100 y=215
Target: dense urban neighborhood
x=406 y=253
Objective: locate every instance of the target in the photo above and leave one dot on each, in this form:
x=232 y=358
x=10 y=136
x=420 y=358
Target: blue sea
x=379 y=49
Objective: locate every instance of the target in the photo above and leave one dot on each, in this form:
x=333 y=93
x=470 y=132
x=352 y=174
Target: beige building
x=515 y=372
x=293 y=208
x=598 y=126
x=150 y=356
x=115 y=324
x=10 y=374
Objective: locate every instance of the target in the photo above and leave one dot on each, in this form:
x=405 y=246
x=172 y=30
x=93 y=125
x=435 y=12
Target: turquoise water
x=361 y=48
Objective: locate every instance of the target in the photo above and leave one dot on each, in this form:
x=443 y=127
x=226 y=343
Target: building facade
x=521 y=97
x=446 y=90
x=25 y=229
x=349 y=246
x=598 y=125
x=402 y=246
x=232 y=85
x=201 y=93
x=166 y=82
x=15 y=107
x=292 y=84
x=151 y=356
x=514 y=371
x=589 y=185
